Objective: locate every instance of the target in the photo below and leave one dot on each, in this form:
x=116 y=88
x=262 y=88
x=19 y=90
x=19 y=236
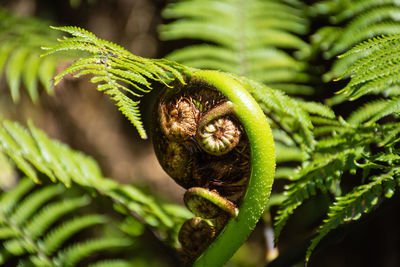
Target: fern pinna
x=31 y=236
x=366 y=144
x=21 y=40
x=117 y=70
x=42 y=160
x=248 y=38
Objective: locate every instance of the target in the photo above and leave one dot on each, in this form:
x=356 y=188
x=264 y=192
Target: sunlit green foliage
x=366 y=145
x=35 y=154
x=29 y=232
x=117 y=70
x=248 y=38
x=20 y=42
x=259 y=40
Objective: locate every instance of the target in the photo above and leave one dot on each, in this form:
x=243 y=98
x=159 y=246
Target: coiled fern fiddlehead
x=213 y=139
x=244 y=157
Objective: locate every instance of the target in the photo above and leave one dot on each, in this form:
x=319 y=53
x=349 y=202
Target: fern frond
x=54 y=239
x=319 y=175
x=372 y=45
x=37 y=241
x=33 y=153
x=362 y=20
x=244 y=39
x=367 y=111
x=52 y=213
x=349 y=39
x=35 y=200
x=20 y=42
x=392 y=107
x=351 y=206
x=72 y=255
x=111 y=263
x=116 y=70
x=317 y=109
x=351 y=9
x=376 y=72
x=288 y=153
x=10 y=199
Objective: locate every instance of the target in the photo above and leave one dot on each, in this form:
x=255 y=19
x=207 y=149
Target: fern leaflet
x=35 y=154
x=20 y=42
x=247 y=38
x=117 y=71
x=31 y=236
x=351 y=206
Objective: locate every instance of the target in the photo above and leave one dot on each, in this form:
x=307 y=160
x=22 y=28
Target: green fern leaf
x=34 y=201
x=377 y=71
x=20 y=42
x=7 y=232
x=319 y=175
x=317 y=109
x=391 y=108
x=246 y=40
x=53 y=212
x=9 y=200
x=275 y=102
x=351 y=206
x=14 y=71
x=362 y=20
x=116 y=70
x=26 y=146
x=22 y=239
x=60 y=163
x=72 y=255
x=351 y=9
x=59 y=235
x=367 y=111
x=30 y=76
x=111 y=263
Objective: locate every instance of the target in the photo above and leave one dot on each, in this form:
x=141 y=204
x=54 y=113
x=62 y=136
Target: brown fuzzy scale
x=179 y=119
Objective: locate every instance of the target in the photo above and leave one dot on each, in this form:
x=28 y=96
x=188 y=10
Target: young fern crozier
x=226 y=163
x=209 y=134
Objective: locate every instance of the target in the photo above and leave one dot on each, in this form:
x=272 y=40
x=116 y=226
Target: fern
x=20 y=42
x=111 y=263
x=33 y=151
x=376 y=72
x=365 y=142
x=362 y=20
x=320 y=175
x=113 y=66
x=351 y=206
x=247 y=38
x=261 y=40
x=339 y=153
x=117 y=70
x=31 y=235
x=72 y=255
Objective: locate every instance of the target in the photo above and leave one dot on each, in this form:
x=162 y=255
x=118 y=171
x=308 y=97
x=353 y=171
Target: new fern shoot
x=231 y=118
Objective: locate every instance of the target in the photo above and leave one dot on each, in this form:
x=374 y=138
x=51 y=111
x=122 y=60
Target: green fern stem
x=262 y=169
